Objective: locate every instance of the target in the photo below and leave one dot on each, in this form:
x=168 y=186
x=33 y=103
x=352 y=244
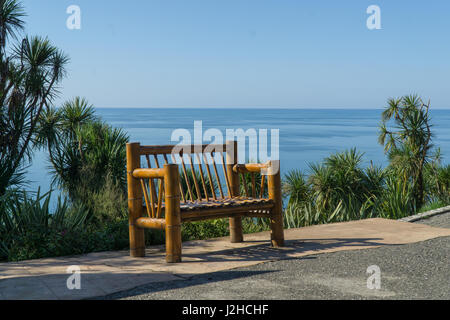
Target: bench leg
x=276 y=217
x=277 y=232
x=137 y=241
x=173 y=244
x=172 y=212
x=236 y=234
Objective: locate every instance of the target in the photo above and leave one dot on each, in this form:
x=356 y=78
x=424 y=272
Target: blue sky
x=249 y=53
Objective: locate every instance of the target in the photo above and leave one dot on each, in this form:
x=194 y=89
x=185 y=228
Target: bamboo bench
x=169 y=197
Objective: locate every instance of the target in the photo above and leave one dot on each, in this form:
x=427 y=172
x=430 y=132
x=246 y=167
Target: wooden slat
x=151 y=182
x=147 y=204
x=253 y=185
x=197 y=188
x=211 y=182
x=261 y=192
x=226 y=177
x=148 y=161
x=217 y=176
x=160 y=189
x=160 y=196
x=202 y=177
x=245 y=184
x=256 y=214
x=187 y=179
x=225 y=212
x=188 y=149
x=181 y=187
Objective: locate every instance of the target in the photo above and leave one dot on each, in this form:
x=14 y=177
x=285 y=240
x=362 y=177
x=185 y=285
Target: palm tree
x=296 y=187
x=407 y=142
x=30 y=74
x=10 y=20
x=85 y=152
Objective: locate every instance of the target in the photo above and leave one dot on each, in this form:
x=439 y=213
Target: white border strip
x=426 y=214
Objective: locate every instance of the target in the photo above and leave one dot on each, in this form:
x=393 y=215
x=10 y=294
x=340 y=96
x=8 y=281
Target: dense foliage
x=30 y=69
x=88 y=157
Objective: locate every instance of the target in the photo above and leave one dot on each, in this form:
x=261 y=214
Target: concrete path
x=108 y=272
x=419 y=270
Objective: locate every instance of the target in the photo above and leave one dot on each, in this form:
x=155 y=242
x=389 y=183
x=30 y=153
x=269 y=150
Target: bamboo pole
x=160 y=189
x=261 y=191
x=202 y=177
x=244 y=182
x=186 y=178
x=225 y=173
x=166 y=161
x=211 y=183
x=150 y=210
x=276 y=217
x=211 y=216
x=135 y=208
x=251 y=167
x=172 y=212
x=236 y=234
x=197 y=188
x=151 y=223
x=151 y=183
x=226 y=212
x=148 y=173
x=187 y=149
x=219 y=184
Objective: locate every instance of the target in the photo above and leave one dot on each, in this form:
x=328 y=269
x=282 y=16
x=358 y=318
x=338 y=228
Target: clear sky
x=249 y=53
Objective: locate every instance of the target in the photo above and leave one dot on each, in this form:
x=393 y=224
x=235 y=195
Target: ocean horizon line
x=257 y=108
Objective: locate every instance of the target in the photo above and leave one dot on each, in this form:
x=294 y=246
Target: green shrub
x=432 y=206
x=29 y=230
x=296 y=188
x=220 y=228
x=107 y=204
x=205 y=229
x=88 y=157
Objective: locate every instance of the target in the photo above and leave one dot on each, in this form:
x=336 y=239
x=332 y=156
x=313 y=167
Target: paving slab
x=108 y=272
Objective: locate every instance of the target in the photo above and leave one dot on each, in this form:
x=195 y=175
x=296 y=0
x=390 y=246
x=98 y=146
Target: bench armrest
x=252 y=167
x=146 y=173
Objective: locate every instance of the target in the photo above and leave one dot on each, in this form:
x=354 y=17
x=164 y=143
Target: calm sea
x=306 y=135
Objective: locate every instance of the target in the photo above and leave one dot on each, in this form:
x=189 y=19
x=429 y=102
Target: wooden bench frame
x=171 y=190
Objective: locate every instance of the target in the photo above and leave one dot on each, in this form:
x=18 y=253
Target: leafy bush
x=397 y=200
x=205 y=229
x=438 y=183
x=108 y=204
x=220 y=228
x=88 y=157
x=29 y=230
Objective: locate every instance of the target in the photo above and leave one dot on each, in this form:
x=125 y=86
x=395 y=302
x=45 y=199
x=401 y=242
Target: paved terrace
x=109 y=272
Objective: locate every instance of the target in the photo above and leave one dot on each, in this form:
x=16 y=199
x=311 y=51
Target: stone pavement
x=108 y=272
